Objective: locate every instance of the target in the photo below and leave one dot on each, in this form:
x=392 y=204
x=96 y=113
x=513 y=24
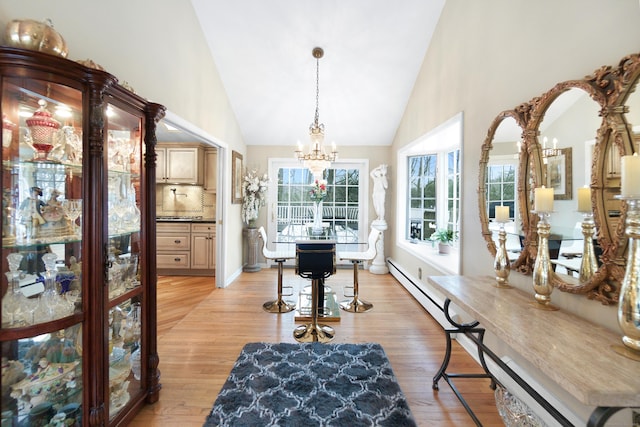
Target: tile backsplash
x=184 y=200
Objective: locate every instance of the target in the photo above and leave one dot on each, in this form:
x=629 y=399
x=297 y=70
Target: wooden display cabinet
x=78 y=331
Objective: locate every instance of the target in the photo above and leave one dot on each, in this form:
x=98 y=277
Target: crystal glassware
x=50 y=298
x=73 y=210
x=13 y=302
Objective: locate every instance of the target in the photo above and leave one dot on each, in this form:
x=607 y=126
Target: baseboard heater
x=428 y=300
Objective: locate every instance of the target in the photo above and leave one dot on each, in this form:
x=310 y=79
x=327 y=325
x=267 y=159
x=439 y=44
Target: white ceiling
x=373 y=50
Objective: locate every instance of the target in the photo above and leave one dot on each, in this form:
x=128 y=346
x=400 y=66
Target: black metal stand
x=475 y=334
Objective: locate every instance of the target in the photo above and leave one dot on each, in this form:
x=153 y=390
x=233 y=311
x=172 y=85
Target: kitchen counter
x=186 y=219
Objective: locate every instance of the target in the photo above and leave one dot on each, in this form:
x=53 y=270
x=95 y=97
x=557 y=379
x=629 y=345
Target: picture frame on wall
x=559 y=174
x=236 y=177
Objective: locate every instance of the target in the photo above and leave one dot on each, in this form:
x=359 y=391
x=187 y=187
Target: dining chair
x=279 y=305
x=356 y=305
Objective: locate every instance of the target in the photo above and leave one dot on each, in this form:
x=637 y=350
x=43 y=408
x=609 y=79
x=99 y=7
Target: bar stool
x=278 y=305
x=315 y=260
x=356 y=305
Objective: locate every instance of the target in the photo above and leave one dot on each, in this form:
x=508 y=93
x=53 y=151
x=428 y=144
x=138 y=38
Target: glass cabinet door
x=42 y=252
x=123 y=156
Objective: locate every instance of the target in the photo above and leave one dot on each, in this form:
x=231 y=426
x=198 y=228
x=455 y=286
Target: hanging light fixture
x=316 y=160
x=549 y=151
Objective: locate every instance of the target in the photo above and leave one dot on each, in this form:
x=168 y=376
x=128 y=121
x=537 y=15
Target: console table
x=574 y=353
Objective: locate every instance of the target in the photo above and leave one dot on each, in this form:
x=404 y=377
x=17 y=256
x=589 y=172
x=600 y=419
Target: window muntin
x=341 y=207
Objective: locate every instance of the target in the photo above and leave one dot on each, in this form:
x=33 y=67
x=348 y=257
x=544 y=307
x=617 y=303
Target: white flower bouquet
x=254 y=189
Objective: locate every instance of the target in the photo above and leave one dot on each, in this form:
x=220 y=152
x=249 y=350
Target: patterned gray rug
x=311 y=384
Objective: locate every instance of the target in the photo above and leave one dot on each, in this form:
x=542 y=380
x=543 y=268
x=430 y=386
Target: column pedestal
x=379 y=266
x=253 y=245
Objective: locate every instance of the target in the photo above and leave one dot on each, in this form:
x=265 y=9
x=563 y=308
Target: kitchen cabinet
x=179 y=165
x=203 y=247
x=210 y=170
x=186 y=248
x=78 y=312
x=174 y=246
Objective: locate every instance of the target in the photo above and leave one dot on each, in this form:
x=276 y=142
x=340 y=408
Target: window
x=430 y=191
x=422 y=196
x=293 y=209
x=501 y=186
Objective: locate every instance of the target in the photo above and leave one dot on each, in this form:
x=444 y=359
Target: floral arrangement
x=254 y=189
x=318 y=191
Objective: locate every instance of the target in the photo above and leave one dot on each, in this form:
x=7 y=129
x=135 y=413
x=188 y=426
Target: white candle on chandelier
x=544 y=142
x=584 y=199
x=555 y=143
x=630 y=176
x=543 y=199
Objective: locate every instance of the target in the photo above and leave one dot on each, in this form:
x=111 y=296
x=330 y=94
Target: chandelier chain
x=316 y=160
x=317 y=116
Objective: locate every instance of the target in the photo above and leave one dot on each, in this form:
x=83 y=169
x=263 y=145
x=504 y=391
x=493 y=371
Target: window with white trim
x=291 y=208
x=429 y=192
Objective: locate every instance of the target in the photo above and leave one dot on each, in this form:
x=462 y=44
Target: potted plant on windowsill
x=445 y=238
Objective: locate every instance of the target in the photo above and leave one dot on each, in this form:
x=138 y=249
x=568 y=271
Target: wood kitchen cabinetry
x=179 y=164
x=174 y=246
x=186 y=248
x=78 y=331
x=210 y=170
x=203 y=247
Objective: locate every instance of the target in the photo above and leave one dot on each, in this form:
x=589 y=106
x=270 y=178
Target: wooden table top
x=573 y=352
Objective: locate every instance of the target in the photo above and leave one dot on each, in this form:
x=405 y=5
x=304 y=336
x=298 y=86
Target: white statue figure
x=379 y=176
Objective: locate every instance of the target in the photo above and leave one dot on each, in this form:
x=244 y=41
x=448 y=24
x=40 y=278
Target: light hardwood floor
x=201 y=330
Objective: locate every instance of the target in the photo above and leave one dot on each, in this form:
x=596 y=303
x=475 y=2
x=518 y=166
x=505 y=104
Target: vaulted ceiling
x=373 y=50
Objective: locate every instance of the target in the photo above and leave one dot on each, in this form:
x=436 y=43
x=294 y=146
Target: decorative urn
x=43 y=129
x=35 y=35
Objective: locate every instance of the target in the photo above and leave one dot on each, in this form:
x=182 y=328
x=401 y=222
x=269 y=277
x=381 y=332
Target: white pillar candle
x=502 y=213
x=584 y=199
x=630 y=172
x=543 y=199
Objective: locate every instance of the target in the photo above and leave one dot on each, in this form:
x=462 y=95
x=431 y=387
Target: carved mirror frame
x=597 y=287
x=610 y=87
x=520 y=115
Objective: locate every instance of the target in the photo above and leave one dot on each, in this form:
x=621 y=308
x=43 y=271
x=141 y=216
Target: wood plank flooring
x=202 y=329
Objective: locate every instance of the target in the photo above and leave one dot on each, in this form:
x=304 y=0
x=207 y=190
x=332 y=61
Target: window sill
x=448 y=264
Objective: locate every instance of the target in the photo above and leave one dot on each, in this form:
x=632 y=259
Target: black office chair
x=315 y=260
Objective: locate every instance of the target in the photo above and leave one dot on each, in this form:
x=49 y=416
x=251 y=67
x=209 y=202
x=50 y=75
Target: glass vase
x=317 y=228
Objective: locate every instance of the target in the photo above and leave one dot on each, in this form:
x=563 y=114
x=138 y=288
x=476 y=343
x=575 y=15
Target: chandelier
x=549 y=151
x=316 y=160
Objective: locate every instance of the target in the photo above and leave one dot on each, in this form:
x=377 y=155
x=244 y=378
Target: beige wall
x=489 y=56
x=164 y=57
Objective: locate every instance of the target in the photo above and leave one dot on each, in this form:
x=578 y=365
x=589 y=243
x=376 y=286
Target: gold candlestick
x=589 y=264
x=542 y=270
x=501 y=264
x=629 y=302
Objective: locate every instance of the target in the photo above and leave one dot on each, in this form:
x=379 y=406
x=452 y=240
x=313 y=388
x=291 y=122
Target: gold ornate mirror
x=503 y=173
x=565 y=122
x=619 y=136
x=571 y=138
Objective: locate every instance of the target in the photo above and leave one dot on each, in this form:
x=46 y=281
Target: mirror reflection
x=501 y=184
x=633 y=116
x=567 y=137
